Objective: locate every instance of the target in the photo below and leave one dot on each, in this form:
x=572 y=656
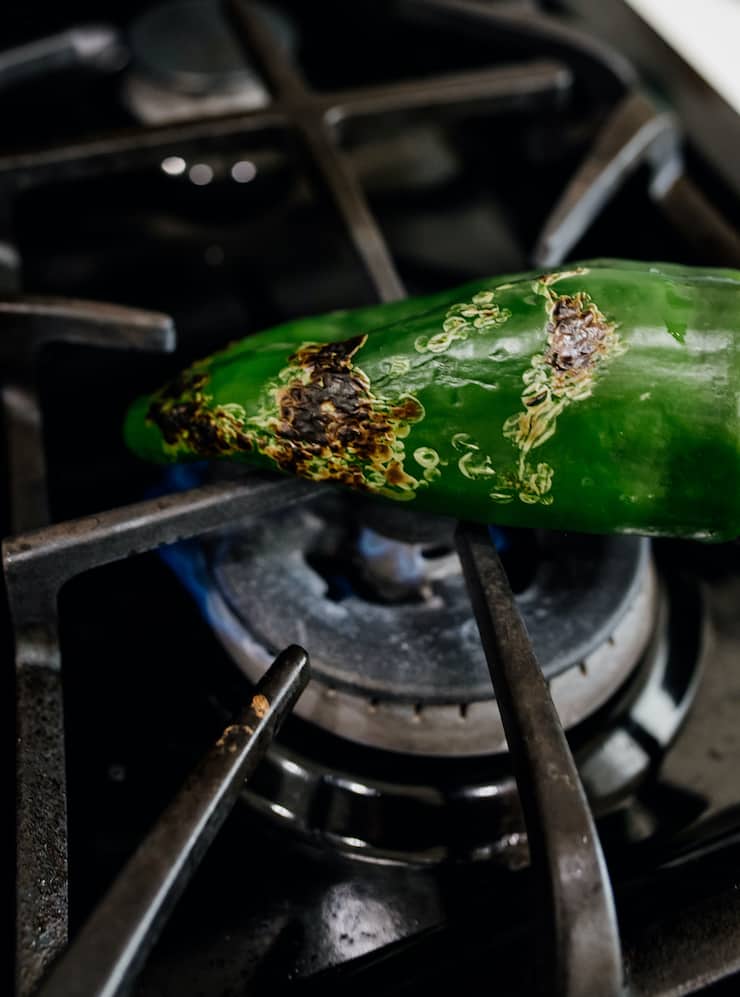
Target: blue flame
x=186 y=558
x=401 y=562
x=500 y=538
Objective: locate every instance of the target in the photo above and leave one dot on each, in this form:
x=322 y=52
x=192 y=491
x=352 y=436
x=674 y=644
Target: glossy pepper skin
x=603 y=397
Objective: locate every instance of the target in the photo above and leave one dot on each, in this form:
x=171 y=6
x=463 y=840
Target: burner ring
x=413 y=677
x=380 y=806
x=462 y=728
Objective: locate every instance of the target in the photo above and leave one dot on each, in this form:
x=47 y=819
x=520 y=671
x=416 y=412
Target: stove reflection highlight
x=243 y=171
x=173 y=166
x=200 y=174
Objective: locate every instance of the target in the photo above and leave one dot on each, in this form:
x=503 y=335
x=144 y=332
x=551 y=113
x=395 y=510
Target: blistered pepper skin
x=603 y=397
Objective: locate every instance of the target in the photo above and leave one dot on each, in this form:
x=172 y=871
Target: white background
x=706 y=33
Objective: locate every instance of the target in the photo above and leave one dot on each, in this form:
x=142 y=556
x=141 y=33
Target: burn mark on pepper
x=182 y=414
x=328 y=424
x=464 y=319
x=577 y=332
x=579 y=339
x=332 y=406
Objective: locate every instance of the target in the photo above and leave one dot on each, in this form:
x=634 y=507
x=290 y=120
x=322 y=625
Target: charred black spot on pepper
x=576 y=334
x=180 y=411
x=320 y=419
x=173 y=421
x=330 y=425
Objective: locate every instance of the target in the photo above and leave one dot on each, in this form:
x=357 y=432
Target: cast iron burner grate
x=580 y=939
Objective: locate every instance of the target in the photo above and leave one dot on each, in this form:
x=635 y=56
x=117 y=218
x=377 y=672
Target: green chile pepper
x=604 y=398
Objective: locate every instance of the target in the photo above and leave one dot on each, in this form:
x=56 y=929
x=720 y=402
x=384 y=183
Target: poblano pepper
x=603 y=397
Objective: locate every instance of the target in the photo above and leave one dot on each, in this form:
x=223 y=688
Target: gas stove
x=513 y=752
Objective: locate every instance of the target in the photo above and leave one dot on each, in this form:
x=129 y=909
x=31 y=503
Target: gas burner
x=399 y=754
x=397 y=660
x=383 y=806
